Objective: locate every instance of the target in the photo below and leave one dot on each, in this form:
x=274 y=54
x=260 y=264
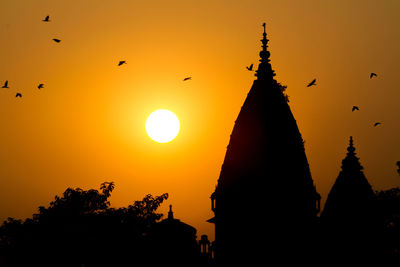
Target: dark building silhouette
x=178 y=241
x=265 y=203
x=349 y=218
x=206 y=251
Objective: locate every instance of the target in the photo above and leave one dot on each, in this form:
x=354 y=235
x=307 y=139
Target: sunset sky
x=87 y=125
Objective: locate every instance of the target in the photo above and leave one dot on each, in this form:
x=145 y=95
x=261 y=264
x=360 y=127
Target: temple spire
x=170 y=213
x=351 y=161
x=351 y=148
x=264 y=54
x=264 y=68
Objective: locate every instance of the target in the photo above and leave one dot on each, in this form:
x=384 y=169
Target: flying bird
x=312 y=83
x=5 y=85
x=377 y=123
x=250 y=68
x=56 y=40
x=121 y=62
x=187 y=78
x=354 y=108
x=40 y=86
x=18 y=95
x=46 y=19
x=372 y=75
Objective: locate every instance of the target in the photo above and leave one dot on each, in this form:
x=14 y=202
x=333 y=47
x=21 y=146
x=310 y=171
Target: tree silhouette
x=80 y=227
x=389 y=211
x=283 y=89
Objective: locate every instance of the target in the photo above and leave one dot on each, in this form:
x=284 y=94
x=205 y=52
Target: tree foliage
x=78 y=225
x=389 y=211
x=283 y=89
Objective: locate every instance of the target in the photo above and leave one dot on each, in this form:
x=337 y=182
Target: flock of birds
x=372 y=75
x=41 y=85
x=313 y=83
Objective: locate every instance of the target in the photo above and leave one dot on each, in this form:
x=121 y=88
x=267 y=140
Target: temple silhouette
x=266 y=205
x=265 y=202
x=349 y=220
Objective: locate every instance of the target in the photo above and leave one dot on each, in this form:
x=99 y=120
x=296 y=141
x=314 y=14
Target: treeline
x=80 y=228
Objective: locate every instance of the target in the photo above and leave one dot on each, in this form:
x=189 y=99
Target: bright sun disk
x=162 y=126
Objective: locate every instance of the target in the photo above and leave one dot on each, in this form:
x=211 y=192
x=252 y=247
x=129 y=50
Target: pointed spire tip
x=351 y=148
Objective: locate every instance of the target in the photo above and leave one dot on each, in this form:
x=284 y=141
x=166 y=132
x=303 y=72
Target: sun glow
x=162 y=126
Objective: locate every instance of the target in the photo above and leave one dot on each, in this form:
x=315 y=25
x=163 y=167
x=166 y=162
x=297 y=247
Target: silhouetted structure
x=206 y=251
x=265 y=203
x=178 y=240
x=349 y=218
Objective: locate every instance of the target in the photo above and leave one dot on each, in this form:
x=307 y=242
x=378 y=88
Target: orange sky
x=87 y=125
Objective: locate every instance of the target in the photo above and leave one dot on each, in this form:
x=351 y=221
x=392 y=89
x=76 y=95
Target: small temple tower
x=265 y=202
x=178 y=241
x=349 y=218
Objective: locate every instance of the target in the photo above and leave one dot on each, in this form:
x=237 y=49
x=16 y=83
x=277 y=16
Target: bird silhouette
x=372 y=75
x=5 y=85
x=187 y=78
x=56 y=40
x=312 y=83
x=354 y=108
x=377 y=123
x=18 y=95
x=46 y=19
x=40 y=86
x=121 y=62
x=250 y=68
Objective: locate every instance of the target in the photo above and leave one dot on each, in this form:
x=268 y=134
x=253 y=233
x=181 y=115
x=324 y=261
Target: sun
x=162 y=126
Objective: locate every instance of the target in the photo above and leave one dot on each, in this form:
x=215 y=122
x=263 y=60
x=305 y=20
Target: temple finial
x=350 y=162
x=264 y=69
x=170 y=213
x=264 y=54
x=351 y=148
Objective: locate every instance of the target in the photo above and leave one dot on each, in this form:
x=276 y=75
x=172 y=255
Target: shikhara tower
x=349 y=219
x=265 y=203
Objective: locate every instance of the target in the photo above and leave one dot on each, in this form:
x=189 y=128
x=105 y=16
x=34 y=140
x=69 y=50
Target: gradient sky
x=87 y=125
